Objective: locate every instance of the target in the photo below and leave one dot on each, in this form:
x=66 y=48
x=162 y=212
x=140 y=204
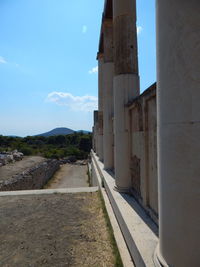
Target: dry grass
x=55 y=230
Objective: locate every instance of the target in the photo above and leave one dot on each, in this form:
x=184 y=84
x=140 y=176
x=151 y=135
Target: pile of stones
x=10 y=157
x=71 y=159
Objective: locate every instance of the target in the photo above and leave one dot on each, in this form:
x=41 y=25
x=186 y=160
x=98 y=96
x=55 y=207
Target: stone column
x=178 y=67
x=95 y=129
x=126 y=85
x=108 y=74
x=100 y=104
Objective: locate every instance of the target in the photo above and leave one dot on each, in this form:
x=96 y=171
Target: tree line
x=59 y=146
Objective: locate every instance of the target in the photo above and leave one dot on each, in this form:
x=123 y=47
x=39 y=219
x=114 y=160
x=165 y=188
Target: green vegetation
x=77 y=145
x=118 y=260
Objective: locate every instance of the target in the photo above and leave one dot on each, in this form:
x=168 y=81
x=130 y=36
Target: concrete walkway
x=69 y=176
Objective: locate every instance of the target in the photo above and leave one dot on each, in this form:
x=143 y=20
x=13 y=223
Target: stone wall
x=143 y=143
x=142 y=154
x=33 y=178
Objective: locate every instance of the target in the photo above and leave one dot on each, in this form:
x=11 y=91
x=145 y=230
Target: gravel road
x=54 y=231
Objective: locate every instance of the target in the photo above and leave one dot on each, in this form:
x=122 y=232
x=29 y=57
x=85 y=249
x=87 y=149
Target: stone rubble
x=10 y=157
x=33 y=178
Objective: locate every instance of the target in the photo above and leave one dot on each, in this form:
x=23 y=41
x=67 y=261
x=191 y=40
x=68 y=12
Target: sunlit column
x=126 y=85
x=100 y=113
x=178 y=68
x=108 y=94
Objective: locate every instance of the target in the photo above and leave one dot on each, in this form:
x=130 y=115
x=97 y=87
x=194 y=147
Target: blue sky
x=48 y=74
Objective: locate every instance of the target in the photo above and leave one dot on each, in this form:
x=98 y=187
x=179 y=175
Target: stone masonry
x=33 y=178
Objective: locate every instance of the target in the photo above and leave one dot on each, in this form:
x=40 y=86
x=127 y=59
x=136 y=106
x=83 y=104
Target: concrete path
x=69 y=176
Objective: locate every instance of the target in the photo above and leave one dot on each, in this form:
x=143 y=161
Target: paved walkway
x=69 y=176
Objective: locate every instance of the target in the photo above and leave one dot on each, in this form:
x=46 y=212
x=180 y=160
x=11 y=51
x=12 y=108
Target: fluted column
x=178 y=68
x=126 y=85
x=108 y=94
x=100 y=105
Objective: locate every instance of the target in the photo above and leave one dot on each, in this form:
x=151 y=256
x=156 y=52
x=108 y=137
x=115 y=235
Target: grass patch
x=118 y=260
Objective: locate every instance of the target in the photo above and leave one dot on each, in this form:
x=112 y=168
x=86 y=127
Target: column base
x=158 y=259
x=122 y=189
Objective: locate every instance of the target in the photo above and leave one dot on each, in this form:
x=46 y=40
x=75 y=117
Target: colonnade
x=118 y=84
x=178 y=75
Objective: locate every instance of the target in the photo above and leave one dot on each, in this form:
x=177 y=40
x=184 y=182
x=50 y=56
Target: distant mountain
x=57 y=131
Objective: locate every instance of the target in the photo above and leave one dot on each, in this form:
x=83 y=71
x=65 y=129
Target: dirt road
x=69 y=176
x=54 y=231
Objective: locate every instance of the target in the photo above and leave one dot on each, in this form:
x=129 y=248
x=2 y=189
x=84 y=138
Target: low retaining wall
x=33 y=178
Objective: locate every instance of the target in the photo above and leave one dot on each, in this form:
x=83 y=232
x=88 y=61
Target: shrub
x=27 y=151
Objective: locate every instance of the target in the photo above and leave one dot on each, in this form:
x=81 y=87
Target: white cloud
x=139 y=29
x=93 y=70
x=75 y=103
x=2 y=60
x=84 y=29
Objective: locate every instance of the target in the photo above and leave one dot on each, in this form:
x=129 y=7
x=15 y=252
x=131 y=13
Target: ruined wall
x=143 y=140
x=33 y=178
x=142 y=117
